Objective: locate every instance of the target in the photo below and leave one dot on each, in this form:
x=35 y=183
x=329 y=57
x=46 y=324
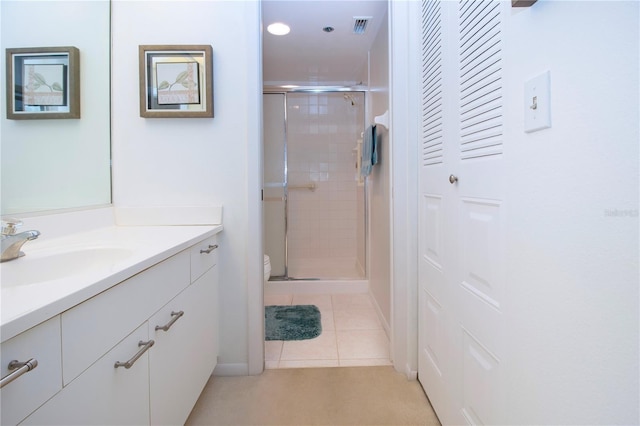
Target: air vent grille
x=360 y=24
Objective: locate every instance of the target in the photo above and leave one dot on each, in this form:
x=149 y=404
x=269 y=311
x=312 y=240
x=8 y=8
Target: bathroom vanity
x=132 y=338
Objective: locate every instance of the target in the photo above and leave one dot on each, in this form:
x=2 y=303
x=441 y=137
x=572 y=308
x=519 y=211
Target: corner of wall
x=231 y=369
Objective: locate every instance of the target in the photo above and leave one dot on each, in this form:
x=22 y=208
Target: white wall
x=199 y=161
x=403 y=133
x=379 y=183
x=572 y=263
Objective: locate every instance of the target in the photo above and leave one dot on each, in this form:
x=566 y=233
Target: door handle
x=453 y=179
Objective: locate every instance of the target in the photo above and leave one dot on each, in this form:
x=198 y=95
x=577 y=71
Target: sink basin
x=50 y=265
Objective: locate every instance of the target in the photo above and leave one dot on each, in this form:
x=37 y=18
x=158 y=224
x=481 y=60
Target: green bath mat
x=297 y=322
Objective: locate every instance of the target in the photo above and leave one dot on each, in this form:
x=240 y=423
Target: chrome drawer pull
x=19 y=369
x=176 y=316
x=210 y=249
x=145 y=347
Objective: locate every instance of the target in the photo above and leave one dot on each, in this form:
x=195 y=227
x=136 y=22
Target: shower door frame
x=267 y=90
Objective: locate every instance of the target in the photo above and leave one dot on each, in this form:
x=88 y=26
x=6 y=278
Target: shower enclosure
x=314 y=200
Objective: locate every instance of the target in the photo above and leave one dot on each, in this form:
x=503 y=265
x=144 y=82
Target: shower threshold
x=284 y=278
x=289 y=285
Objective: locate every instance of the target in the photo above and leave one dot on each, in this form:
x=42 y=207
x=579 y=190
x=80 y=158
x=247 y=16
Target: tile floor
x=352 y=334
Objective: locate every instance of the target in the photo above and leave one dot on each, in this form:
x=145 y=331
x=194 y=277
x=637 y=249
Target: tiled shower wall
x=322 y=134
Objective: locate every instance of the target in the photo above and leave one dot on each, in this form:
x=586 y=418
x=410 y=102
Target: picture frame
x=43 y=83
x=176 y=81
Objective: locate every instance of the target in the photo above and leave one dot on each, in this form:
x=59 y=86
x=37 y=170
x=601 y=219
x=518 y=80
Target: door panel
x=480 y=239
x=431 y=267
x=480 y=382
x=431 y=346
x=433 y=335
x=432 y=238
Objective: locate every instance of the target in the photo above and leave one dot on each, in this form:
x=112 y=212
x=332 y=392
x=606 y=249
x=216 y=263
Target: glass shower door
x=274 y=175
x=325 y=201
x=314 y=202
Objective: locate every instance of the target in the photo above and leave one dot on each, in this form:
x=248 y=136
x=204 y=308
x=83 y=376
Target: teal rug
x=297 y=322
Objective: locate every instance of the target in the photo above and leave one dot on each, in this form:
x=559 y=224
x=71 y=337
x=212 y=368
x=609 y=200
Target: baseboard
x=411 y=374
x=383 y=320
x=231 y=369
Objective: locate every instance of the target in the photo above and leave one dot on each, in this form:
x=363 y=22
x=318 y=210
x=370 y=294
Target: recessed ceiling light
x=278 y=28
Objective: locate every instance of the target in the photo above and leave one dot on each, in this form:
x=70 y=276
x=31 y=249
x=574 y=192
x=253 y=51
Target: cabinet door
x=103 y=394
x=29 y=391
x=184 y=355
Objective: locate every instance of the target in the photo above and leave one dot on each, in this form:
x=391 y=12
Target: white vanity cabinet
x=26 y=393
x=174 y=305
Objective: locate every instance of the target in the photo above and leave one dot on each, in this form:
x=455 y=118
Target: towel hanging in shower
x=374 y=146
x=368 y=150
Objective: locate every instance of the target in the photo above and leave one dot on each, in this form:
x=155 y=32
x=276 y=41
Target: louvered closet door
x=437 y=230
x=462 y=211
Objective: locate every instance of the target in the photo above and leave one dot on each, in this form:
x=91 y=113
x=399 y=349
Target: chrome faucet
x=12 y=242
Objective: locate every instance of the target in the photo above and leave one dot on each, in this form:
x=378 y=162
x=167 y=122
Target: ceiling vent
x=360 y=24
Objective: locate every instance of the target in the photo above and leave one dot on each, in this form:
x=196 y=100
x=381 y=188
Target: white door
x=462 y=211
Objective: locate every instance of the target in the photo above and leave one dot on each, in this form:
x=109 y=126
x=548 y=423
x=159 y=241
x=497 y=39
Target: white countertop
x=26 y=305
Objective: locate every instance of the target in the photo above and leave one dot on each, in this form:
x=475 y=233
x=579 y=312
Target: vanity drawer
x=93 y=327
x=203 y=256
x=26 y=393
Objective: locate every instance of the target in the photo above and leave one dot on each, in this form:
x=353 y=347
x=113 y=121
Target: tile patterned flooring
x=352 y=334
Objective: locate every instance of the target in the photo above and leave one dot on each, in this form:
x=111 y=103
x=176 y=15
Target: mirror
x=54 y=164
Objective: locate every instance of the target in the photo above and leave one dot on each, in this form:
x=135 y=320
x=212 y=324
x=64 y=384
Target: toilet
x=267 y=268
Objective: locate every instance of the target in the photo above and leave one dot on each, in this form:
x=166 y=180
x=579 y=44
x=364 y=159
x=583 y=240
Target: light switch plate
x=537 y=103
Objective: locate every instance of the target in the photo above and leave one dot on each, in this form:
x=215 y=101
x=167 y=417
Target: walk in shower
x=314 y=199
